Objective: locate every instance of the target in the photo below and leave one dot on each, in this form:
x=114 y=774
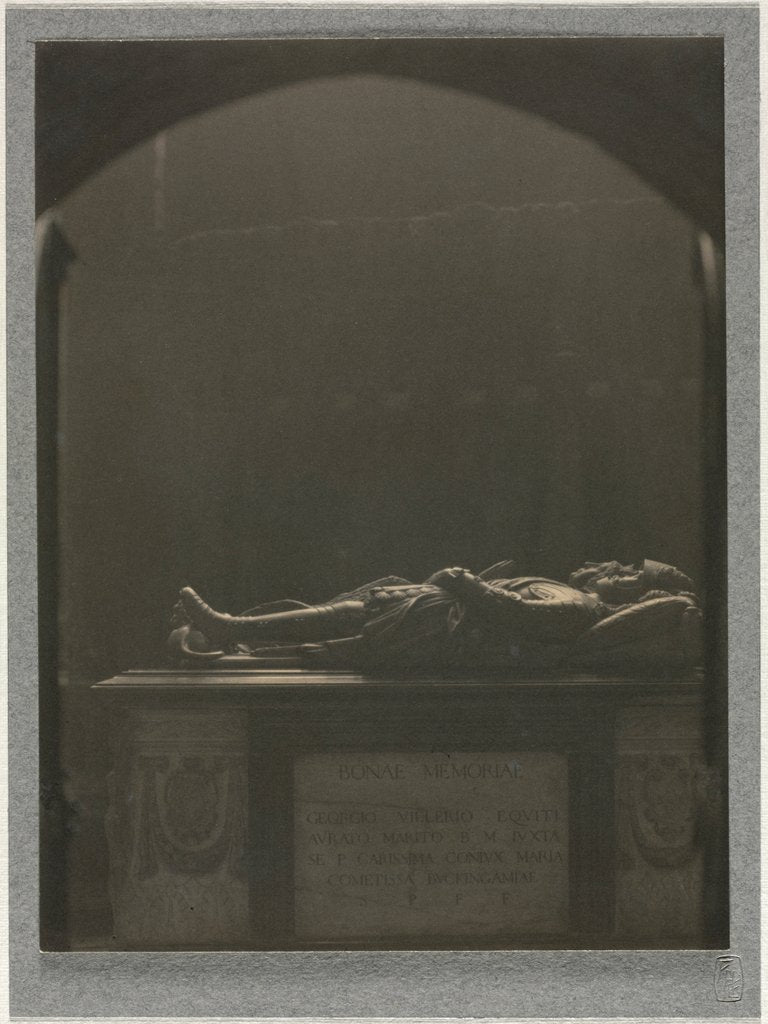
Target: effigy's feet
x=216 y=626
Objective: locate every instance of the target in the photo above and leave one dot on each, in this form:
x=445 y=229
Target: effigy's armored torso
x=430 y=624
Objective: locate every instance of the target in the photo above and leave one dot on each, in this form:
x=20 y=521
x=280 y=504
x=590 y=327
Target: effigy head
x=617 y=584
x=658 y=576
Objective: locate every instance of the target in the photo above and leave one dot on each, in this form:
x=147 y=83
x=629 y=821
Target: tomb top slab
x=140 y=679
x=314 y=688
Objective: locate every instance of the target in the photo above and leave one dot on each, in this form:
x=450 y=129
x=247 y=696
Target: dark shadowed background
x=311 y=313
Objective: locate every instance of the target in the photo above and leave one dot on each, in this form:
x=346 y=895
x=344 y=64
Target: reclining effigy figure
x=608 y=615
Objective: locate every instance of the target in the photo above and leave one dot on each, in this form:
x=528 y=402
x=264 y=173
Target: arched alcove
x=654 y=103
x=353 y=326
x=366 y=325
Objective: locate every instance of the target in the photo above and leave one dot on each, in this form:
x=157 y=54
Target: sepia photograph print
x=391 y=602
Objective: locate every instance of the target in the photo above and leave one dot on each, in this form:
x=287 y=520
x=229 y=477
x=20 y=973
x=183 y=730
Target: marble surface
x=430 y=843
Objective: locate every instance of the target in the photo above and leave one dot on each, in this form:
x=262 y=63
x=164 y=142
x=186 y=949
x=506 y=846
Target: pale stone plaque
x=431 y=845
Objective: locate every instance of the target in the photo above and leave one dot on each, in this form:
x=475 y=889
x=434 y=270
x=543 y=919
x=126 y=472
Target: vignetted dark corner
x=313 y=312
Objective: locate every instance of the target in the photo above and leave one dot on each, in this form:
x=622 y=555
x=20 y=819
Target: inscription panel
x=430 y=844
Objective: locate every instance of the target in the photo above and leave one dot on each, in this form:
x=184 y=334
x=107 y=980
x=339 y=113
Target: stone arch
x=656 y=104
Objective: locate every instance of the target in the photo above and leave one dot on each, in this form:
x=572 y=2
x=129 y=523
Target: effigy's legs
x=301 y=625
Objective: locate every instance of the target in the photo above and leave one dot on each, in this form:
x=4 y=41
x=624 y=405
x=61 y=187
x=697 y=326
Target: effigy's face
x=621 y=587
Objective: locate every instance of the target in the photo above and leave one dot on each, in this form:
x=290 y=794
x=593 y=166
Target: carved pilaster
x=176 y=829
x=663 y=790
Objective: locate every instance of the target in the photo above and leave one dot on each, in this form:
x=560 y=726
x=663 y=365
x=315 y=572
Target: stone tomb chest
x=279 y=810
